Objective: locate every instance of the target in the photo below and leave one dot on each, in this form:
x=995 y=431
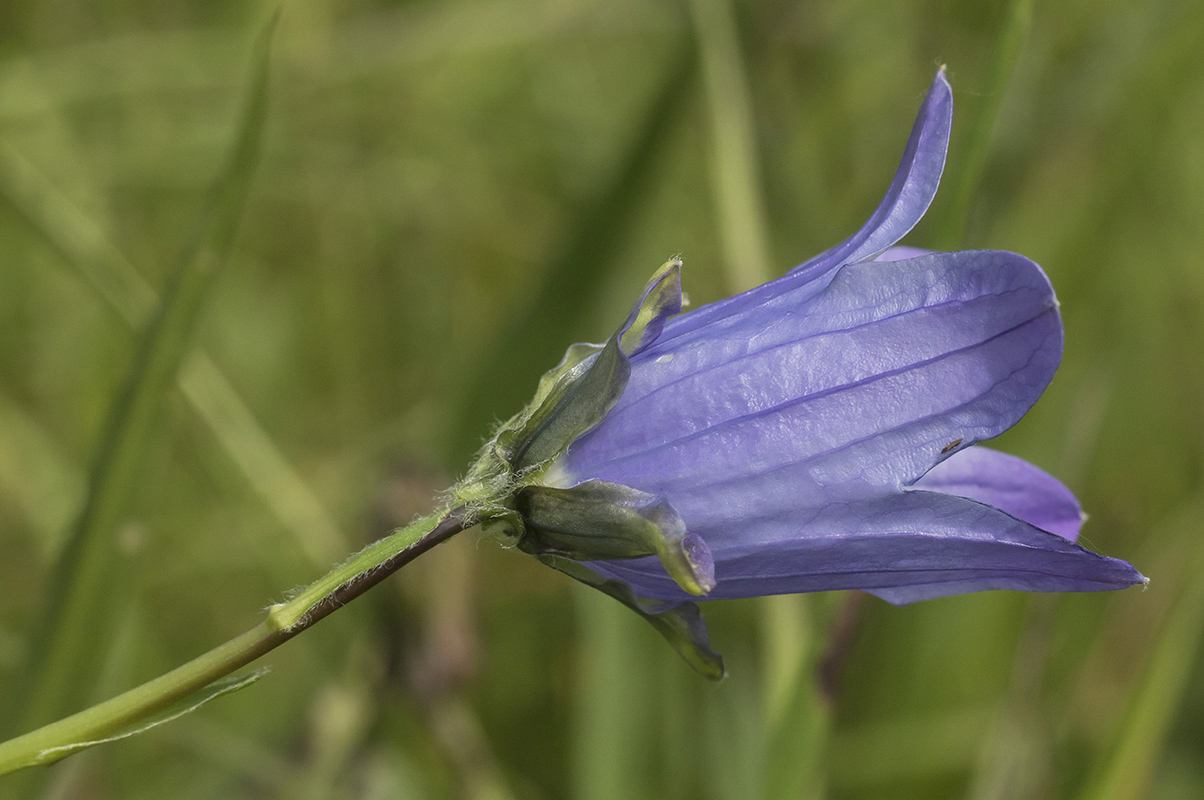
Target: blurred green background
x=448 y=194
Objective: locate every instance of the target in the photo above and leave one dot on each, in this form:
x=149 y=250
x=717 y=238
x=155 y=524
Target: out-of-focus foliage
x=451 y=192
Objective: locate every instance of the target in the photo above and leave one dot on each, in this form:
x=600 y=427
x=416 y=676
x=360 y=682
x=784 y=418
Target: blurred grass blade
x=733 y=739
x=535 y=340
x=261 y=462
x=1160 y=695
x=967 y=167
x=613 y=716
x=735 y=171
x=797 y=715
x=1013 y=755
x=76 y=236
x=45 y=484
x=796 y=745
x=787 y=636
x=384 y=40
x=84 y=245
x=867 y=760
x=75 y=622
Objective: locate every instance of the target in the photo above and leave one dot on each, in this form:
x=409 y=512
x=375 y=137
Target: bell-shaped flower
x=818 y=432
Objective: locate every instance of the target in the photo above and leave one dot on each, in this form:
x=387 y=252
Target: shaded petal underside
x=1010 y=484
x=904 y=547
x=856 y=393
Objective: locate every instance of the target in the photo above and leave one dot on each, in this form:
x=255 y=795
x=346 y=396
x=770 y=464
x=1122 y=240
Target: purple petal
x=903 y=547
x=910 y=192
x=853 y=393
x=1010 y=484
x=816 y=432
x=906 y=200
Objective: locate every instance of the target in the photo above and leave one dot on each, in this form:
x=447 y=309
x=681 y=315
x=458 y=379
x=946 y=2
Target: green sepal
x=576 y=403
x=504 y=525
x=682 y=625
x=576 y=354
x=599 y=521
x=578 y=393
x=661 y=299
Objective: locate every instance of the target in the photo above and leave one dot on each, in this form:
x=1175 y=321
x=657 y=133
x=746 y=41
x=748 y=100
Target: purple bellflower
x=817 y=432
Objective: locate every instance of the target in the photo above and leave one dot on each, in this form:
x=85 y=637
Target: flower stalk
x=284 y=620
x=818 y=432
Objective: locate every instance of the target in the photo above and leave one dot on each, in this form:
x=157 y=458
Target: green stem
x=735 y=171
x=967 y=174
x=284 y=621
